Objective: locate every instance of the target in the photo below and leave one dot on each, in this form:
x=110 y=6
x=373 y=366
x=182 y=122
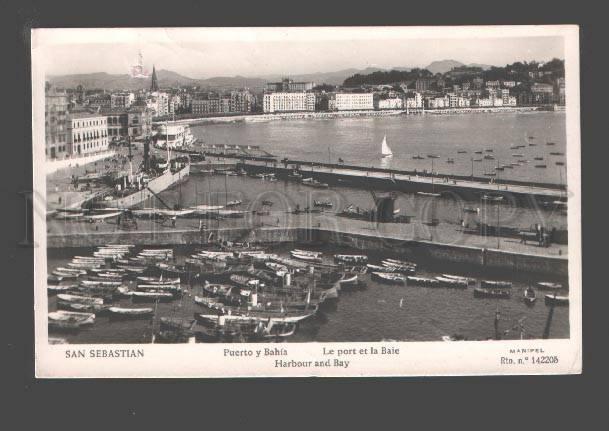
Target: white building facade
x=288 y=102
x=88 y=133
x=354 y=101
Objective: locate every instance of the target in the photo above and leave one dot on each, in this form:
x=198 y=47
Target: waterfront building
x=121 y=100
x=288 y=102
x=509 y=84
x=242 y=101
x=135 y=122
x=493 y=85
x=437 y=102
x=455 y=101
x=87 y=133
x=354 y=101
x=389 y=103
x=289 y=86
x=415 y=102
x=55 y=122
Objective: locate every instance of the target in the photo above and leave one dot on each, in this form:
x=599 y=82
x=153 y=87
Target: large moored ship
x=155 y=175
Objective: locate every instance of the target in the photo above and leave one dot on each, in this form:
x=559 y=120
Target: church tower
x=154 y=86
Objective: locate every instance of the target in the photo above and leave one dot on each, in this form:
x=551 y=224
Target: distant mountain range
x=167 y=78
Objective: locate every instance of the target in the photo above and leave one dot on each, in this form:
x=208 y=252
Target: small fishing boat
x=452 y=282
x=489 y=157
x=553 y=299
x=490 y=174
x=306 y=257
x=489 y=150
x=130 y=313
x=478 y=152
x=234 y=203
x=422 y=281
x=350 y=258
x=491 y=293
x=80 y=319
x=80 y=299
x=450 y=160
x=467 y=280
x=499 y=168
x=490 y=284
x=376 y=268
x=492 y=198
x=159 y=280
x=532 y=144
x=389 y=277
x=518 y=155
x=267 y=203
x=322 y=204
x=295 y=175
x=557 y=154
x=560 y=163
x=538 y=158
x=541 y=166
x=429 y=194
x=477 y=160
x=461 y=152
x=550 y=143
x=418 y=157
x=55 y=288
x=529 y=296
x=151 y=296
x=397 y=262
x=546 y=285
x=311 y=182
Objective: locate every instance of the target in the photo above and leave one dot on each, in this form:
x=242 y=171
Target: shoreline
x=252 y=118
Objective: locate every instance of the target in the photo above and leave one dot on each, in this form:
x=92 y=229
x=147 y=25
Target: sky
x=209 y=52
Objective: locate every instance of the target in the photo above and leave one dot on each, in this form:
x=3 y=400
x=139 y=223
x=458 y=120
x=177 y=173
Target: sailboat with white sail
x=385 y=150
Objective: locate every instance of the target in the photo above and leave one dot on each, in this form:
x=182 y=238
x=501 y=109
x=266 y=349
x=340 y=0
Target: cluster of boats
x=240 y=292
x=94 y=285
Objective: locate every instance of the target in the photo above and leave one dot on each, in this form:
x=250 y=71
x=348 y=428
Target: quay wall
x=418 y=250
x=52 y=166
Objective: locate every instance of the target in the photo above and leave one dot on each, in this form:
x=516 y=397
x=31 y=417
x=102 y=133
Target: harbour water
x=374 y=312
x=358 y=141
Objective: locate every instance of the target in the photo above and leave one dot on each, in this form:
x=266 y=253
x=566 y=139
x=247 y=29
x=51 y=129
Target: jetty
x=466 y=187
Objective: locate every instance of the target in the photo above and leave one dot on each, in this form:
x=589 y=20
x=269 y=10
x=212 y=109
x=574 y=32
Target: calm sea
x=358 y=141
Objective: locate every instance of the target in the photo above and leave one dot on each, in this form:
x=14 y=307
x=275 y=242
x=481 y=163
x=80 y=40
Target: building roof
x=85 y=114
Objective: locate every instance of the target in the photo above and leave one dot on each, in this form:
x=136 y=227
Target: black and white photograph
x=319 y=199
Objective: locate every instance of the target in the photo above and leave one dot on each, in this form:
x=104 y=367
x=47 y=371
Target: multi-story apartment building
x=121 y=100
x=135 y=122
x=389 y=103
x=456 y=101
x=158 y=103
x=415 y=102
x=55 y=124
x=289 y=86
x=437 y=102
x=354 y=101
x=242 y=101
x=87 y=133
x=101 y=101
x=287 y=102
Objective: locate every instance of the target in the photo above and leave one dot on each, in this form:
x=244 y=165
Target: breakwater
x=418 y=250
x=466 y=188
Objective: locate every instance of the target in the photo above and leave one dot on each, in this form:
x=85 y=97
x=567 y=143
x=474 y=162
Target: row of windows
x=90 y=123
